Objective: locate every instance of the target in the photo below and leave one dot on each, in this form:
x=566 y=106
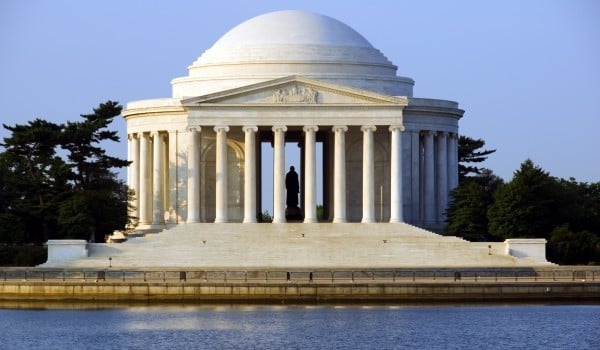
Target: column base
x=339 y=221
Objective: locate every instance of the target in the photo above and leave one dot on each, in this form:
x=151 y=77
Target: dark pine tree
x=469 y=153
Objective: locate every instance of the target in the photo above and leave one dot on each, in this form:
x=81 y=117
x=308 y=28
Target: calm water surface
x=304 y=327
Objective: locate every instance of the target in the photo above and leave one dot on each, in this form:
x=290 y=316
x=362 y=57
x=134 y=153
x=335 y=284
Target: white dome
x=292 y=35
x=291 y=27
x=284 y=43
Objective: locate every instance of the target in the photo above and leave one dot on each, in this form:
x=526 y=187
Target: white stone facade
x=387 y=157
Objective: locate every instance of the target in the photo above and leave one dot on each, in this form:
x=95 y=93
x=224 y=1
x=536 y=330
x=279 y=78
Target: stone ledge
x=297 y=292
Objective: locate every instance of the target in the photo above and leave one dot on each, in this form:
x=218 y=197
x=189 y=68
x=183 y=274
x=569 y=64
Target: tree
x=568 y=247
x=82 y=140
x=95 y=185
x=469 y=202
x=70 y=197
x=468 y=153
x=39 y=178
x=526 y=206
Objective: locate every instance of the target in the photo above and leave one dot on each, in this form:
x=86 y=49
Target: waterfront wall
x=300 y=286
x=297 y=292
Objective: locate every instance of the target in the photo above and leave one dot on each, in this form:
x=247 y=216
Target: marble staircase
x=296 y=245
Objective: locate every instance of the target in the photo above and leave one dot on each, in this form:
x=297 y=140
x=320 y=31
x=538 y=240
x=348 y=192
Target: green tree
x=573 y=248
x=580 y=205
x=526 y=206
x=96 y=186
x=47 y=196
x=468 y=153
x=83 y=140
x=469 y=202
x=39 y=178
x=75 y=218
x=12 y=227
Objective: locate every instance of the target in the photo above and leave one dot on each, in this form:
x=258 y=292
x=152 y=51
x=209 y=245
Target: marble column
x=339 y=174
x=442 y=176
x=172 y=167
x=279 y=174
x=193 y=175
x=452 y=161
x=310 y=174
x=415 y=167
x=221 y=174
x=429 y=177
x=396 y=214
x=130 y=139
x=144 y=180
x=368 y=173
x=157 y=180
x=134 y=169
x=250 y=174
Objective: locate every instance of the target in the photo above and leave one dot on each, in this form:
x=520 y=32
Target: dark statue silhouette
x=292 y=186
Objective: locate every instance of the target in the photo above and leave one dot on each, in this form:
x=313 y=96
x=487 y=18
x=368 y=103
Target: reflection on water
x=452 y=326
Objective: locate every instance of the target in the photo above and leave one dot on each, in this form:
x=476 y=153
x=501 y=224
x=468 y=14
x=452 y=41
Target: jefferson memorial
x=302 y=78
x=381 y=161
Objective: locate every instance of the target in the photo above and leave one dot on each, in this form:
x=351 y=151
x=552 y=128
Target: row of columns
x=140 y=144
x=440 y=173
x=310 y=174
x=146 y=177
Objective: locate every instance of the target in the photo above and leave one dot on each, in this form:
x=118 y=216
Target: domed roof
x=292 y=35
x=286 y=43
x=292 y=27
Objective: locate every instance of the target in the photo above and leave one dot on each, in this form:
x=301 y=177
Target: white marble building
x=292 y=77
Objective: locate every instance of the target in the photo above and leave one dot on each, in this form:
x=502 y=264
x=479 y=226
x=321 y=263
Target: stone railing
x=562 y=274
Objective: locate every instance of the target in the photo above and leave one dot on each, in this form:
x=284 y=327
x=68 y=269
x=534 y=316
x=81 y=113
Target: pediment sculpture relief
x=295 y=94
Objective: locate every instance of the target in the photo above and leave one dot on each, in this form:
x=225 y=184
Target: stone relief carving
x=295 y=94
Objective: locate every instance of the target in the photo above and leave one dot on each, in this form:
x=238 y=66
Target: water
x=304 y=327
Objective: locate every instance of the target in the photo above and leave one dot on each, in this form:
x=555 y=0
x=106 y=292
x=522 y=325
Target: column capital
x=252 y=128
x=219 y=128
x=140 y=135
x=396 y=128
x=308 y=128
x=132 y=136
x=427 y=132
x=443 y=133
x=452 y=135
x=368 y=128
x=342 y=128
x=156 y=134
x=194 y=128
x=277 y=128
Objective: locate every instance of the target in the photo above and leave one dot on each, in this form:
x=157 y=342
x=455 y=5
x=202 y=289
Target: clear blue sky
x=526 y=72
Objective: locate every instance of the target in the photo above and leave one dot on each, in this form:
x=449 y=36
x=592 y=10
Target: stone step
x=294 y=245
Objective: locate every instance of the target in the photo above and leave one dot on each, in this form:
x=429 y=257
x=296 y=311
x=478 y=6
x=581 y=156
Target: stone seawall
x=291 y=292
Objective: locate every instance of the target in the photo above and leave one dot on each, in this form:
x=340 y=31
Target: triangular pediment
x=294 y=91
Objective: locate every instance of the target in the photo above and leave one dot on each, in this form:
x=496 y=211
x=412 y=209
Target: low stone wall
x=574 y=283
x=297 y=292
x=61 y=250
